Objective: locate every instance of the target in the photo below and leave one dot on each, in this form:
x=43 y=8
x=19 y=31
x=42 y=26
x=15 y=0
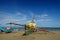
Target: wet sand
x=17 y=35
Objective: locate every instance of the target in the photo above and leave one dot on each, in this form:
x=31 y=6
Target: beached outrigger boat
x=29 y=28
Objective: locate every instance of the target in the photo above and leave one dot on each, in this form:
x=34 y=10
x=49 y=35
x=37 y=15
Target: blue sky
x=47 y=12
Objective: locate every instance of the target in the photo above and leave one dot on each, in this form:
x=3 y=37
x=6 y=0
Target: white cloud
x=41 y=17
x=44 y=20
x=19 y=17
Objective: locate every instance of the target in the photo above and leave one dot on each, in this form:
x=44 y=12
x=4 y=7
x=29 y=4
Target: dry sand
x=17 y=35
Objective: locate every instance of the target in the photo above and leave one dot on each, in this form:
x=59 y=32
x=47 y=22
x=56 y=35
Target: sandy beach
x=17 y=35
